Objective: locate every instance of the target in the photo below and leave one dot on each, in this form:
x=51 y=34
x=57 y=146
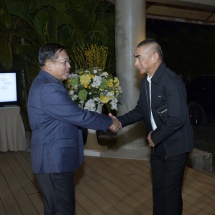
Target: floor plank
x=7 y=198
x=17 y=190
x=104 y=186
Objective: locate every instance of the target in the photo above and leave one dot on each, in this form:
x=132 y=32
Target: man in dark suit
x=162 y=105
x=56 y=121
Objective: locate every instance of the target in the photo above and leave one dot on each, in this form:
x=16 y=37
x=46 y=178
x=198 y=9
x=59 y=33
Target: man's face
x=60 y=67
x=144 y=60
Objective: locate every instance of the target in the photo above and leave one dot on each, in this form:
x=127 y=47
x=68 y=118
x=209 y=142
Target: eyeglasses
x=64 y=62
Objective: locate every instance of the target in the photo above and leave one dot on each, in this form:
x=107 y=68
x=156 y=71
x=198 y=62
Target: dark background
x=188 y=49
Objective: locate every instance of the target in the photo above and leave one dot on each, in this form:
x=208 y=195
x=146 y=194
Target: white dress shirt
x=154 y=126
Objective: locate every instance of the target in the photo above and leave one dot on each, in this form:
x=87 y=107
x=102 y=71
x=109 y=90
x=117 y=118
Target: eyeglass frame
x=64 y=62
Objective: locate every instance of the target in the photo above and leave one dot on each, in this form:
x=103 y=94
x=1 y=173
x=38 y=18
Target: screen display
x=8 y=87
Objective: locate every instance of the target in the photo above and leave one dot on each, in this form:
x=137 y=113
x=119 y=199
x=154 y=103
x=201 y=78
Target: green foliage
x=26 y=25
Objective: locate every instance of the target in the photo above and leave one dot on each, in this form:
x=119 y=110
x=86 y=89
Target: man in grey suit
x=162 y=105
x=56 y=121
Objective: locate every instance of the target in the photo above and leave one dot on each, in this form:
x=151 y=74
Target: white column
x=130 y=30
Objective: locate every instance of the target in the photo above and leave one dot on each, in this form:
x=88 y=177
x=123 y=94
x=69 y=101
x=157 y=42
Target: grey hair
x=153 y=44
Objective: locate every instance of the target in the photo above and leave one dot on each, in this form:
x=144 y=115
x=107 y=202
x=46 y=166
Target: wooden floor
x=103 y=186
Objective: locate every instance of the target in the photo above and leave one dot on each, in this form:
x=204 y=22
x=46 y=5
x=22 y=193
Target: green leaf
x=82 y=94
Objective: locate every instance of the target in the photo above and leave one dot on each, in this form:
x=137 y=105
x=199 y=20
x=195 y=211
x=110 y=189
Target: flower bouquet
x=92 y=86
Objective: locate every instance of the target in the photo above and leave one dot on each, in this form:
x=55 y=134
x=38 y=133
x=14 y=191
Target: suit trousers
x=58 y=193
x=167 y=179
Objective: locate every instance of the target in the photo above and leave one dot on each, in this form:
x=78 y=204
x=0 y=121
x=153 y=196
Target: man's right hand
x=116 y=124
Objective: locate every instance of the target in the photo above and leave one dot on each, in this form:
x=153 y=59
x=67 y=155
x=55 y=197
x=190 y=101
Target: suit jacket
x=55 y=120
x=169 y=108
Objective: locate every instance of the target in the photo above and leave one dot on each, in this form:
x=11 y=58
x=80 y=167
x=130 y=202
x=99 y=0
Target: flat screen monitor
x=8 y=88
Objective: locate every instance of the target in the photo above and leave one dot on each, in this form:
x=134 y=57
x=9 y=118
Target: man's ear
x=155 y=57
x=48 y=66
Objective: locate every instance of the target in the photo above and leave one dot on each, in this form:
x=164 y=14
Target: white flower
x=111 y=95
x=90 y=105
x=73 y=75
x=114 y=104
x=74 y=97
x=71 y=92
x=104 y=74
x=96 y=99
x=96 y=81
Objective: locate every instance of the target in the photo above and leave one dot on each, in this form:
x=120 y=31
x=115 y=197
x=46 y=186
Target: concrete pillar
x=130 y=30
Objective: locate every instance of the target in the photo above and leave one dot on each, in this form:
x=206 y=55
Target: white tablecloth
x=12 y=131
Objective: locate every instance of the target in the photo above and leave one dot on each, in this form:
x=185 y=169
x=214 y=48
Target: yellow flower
x=85 y=85
x=92 y=76
x=116 y=81
x=85 y=79
x=104 y=99
x=110 y=84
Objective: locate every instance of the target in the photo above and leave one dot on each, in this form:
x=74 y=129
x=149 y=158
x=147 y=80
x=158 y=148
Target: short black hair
x=154 y=44
x=49 y=51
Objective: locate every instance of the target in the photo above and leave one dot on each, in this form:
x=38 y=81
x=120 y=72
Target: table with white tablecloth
x=12 y=130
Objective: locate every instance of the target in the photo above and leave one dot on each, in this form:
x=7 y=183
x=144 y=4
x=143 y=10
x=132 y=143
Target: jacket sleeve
x=132 y=116
x=58 y=104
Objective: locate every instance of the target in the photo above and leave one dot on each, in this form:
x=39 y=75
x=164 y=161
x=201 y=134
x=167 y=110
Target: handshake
x=116 y=124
